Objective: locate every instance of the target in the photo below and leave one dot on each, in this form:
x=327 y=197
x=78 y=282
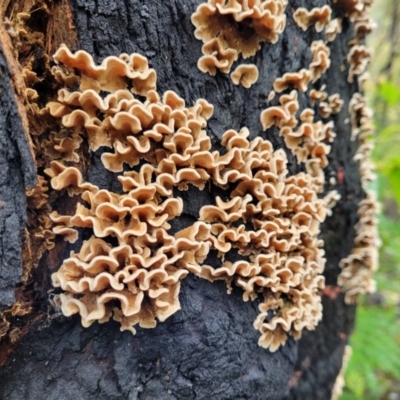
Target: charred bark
x=209 y=348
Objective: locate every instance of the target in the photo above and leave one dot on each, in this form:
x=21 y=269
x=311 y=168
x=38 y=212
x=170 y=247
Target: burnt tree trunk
x=207 y=350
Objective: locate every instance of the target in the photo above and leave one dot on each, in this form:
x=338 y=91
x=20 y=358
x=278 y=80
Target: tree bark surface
x=207 y=350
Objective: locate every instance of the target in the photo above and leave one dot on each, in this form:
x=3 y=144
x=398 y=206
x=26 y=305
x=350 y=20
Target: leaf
x=394 y=180
x=391 y=132
x=356 y=383
x=390 y=92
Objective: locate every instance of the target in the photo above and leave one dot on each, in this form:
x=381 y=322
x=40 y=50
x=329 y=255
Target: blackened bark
x=17 y=171
x=209 y=348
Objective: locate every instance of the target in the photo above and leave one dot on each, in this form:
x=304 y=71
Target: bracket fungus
x=317 y=95
x=333 y=28
x=354 y=8
x=112 y=73
x=309 y=142
x=318 y=16
x=236 y=27
x=320 y=59
x=358 y=267
x=245 y=74
x=298 y=80
x=270 y=218
x=358 y=58
x=362 y=130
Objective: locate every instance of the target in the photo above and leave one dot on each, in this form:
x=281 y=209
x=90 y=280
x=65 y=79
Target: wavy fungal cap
x=320 y=59
x=333 y=28
x=271 y=219
x=220 y=24
x=298 y=80
x=309 y=141
x=357 y=268
x=318 y=16
x=358 y=58
x=245 y=74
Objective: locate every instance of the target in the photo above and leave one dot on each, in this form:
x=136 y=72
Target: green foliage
x=389 y=92
x=374 y=368
x=387 y=158
x=376 y=353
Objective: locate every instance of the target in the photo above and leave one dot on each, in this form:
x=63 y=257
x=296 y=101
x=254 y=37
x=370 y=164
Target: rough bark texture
x=208 y=349
x=17 y=171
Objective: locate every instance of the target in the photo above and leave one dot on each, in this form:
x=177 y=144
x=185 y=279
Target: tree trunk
x=209 y=349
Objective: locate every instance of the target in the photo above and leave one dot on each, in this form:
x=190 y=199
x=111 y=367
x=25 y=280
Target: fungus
x=271 y=95
x=333 y=28
x=245 y=74
x=38 y=196
x=364 y=77
x=325 y=110
x=331 y=200
x=236 y=28
x=271 y=219
x=62 y=146
x=274 y=116
x=4 y=326
x=317 y=95
x=357 y=268
x=67 y=177
x=307 y=115
x=354 y=8
x=309 y=140
x=112 y=74
x=129 y=126
x=358 y=58
x=318 y=16
x=216 y=57
x=363 y=26
x=271 y=272
x=362 y=129
x=320 y=59
x=298 y=80
x=335 y=103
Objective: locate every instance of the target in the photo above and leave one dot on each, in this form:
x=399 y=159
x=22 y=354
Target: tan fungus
x=317 y=95
x=320 y=59
x=358 y=267
x=354 y=8
x=222 y=23
x=318 y=16
x=358 y=57
x=137 y=280
x=333 y=28
x=298 y=80
x=245 y=74
x=113 y=73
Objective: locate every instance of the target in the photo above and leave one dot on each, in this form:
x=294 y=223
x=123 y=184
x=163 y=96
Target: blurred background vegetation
x=373 y=371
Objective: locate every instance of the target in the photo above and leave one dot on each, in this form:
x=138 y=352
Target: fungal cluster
x=358 y=267
x=263 y=232
x=309 y=140
x=318 y=16
x=232 y=28
x=359 y=55
x=271 y=220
